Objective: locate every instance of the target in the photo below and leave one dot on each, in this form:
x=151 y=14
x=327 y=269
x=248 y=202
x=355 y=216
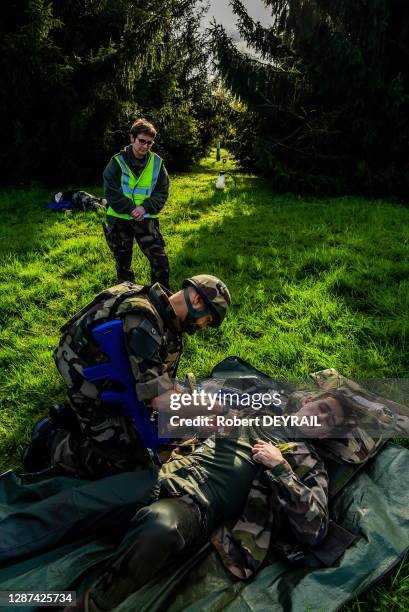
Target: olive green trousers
x=158 y=532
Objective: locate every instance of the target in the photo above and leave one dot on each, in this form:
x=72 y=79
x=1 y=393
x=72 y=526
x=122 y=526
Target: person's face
x=180 y=307
x=204 y=321
x=141 y=144
x=198 y=304
x=329 y=412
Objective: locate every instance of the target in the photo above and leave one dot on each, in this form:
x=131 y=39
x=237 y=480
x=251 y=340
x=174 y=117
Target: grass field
x=316 y=283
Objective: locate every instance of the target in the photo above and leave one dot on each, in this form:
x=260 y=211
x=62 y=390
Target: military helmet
x=214 y=293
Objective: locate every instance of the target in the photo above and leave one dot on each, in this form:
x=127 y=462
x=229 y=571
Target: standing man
x=136 y=187
x=91 y=438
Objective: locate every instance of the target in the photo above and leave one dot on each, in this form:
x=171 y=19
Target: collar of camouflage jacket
x=159 y=296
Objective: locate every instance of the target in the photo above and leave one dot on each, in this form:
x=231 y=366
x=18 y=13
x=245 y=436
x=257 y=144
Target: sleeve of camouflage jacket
x=301 y=488
x=143 y=342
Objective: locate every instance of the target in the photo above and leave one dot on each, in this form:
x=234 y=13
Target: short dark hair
x=142 y=126
x=351 y=416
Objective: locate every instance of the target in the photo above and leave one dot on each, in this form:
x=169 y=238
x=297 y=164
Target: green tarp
x=374 y=505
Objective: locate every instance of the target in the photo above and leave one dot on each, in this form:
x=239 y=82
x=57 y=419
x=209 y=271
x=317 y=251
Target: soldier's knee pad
x=159 y=516
x=170 y=522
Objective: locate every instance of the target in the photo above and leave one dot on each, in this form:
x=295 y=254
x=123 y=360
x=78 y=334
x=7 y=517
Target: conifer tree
x=75 y=73
x=326 y=92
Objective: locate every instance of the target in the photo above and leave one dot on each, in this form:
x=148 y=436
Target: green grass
x=316 y=283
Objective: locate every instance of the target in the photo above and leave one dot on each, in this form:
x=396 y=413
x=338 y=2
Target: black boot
x=125 y=275
x=37 y=455
x=62 y=416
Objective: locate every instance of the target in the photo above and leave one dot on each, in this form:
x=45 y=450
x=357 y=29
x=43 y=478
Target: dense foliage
x=326 y=93
x=77 y=72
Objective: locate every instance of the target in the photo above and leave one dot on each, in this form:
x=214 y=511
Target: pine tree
x=177 y=96
x=77 y=72
x=327 y=93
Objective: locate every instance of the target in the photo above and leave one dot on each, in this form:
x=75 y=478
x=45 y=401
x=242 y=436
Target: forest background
x=319 y=105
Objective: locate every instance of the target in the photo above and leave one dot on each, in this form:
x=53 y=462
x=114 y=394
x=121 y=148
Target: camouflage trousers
x=120 y=235
x=104 y=441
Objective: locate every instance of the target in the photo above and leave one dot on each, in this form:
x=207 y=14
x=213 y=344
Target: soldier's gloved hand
x=267 y=454
x=138 y=213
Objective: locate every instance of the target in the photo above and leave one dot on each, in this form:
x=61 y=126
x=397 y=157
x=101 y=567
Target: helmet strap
x=193 y=314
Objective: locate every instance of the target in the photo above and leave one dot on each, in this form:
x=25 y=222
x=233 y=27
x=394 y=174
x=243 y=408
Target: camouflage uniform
x=120 y=233
x=80 y=200
x=106 y=442
x=209 y=487
x=286 y=504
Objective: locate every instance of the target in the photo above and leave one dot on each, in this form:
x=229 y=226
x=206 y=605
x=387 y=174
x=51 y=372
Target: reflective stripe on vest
x=136 y=188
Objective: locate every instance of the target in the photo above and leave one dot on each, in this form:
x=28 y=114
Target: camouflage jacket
x=221 y=477
x=292 y=496
x=112 y=185
x=152 y=336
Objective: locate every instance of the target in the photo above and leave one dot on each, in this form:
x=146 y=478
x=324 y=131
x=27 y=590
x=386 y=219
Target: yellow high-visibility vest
x=136 y=188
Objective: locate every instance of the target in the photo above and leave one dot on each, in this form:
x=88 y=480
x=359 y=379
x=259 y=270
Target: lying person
x=201 y=491
x=76 y=200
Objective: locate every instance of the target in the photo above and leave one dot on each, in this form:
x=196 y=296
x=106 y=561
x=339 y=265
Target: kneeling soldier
x=93 y=439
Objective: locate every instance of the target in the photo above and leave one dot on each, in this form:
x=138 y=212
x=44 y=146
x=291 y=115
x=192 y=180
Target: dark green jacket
x=112 y=185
